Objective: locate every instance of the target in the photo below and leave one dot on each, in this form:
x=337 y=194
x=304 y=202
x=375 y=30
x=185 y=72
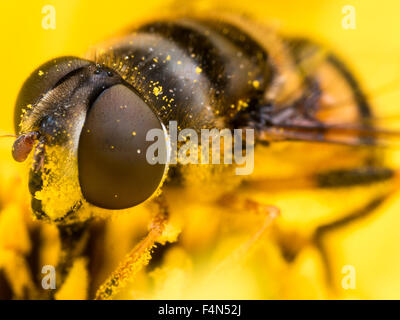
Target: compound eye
x=114 y=172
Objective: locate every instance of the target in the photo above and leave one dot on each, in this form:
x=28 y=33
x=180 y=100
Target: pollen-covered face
x=81 y=127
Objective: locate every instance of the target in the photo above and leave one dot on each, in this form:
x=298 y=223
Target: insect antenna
x=23 y=145
x=8 y=136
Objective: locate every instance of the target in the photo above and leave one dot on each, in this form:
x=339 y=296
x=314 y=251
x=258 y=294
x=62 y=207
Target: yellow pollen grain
x=112 y=147
x=179 y=62
x=256 y=84
x=168 y=57
x=199 y=70
x=40 y=73
x=134 y=133
x=157 y=90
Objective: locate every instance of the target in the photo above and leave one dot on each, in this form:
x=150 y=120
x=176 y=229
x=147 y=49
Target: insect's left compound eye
x=114 y=172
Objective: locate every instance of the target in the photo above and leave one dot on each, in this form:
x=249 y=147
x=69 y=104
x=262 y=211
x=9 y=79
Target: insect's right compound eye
x=43 y=79
x=114 y=172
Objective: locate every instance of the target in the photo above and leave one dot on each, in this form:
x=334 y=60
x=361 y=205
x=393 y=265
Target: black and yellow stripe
x=192 y=70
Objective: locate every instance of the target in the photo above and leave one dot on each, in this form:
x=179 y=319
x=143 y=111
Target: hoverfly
x=82 y=122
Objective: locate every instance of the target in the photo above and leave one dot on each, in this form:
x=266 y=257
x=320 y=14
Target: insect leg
x=73 y=240
x=243 y=204
x=321 y=231
x=338 y=178
x=344 y=178
x=138 y=257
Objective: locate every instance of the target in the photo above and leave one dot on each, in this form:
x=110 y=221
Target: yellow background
x=372 y=50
